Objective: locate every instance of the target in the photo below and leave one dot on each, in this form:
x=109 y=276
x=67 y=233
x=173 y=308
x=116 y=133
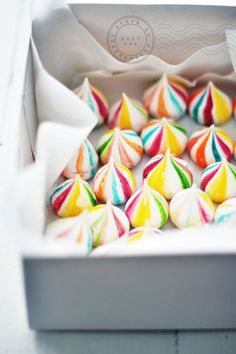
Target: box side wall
x=131 y=293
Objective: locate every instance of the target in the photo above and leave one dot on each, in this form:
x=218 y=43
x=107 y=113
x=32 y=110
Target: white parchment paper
x=64 y=52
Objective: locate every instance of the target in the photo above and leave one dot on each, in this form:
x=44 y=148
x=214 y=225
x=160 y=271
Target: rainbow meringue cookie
x=209 y=105
x=124 y=146
x=84 y=162
x=107 y=223
x=191 y=207
x=147 y=206
x=226 y=212
x=159 y=135
x=115 y=182
x=127 y=113
x=219 y=181
x=70 y=232
x=209 y=145
x=166 y=98
x=168 y=174
x=95 y=99
x=72 y=197
x=132 y=241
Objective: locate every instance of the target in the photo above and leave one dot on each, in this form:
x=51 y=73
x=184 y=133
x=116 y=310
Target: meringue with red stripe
x=191 y=207
x=127 y=113
x=147 y=206
x=71 y=233
x=209 y=105
x=95 y=99
x=72 y=197
x=219 y=181
x=166 y=98
x=209 y=145
x=168 y=174
x=159 y=135
x=124 y=146
x=115 y=182
x=107 y=223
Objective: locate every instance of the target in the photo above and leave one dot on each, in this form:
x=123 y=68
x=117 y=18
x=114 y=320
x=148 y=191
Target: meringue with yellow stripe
x=209 y=145
x=168 y=174
x=191 y=207
x=127 y=113
x=107 y=223
x=147 y=206
x=124 y=146
x=115 y=182
x=72 y=197
x=130 y=243
x=209 y=105
x=159 y=135
x=219 y=181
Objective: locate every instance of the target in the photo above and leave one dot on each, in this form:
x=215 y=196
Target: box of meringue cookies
x=124 y=203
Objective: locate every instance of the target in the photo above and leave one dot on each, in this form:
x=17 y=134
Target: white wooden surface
x=15 y=337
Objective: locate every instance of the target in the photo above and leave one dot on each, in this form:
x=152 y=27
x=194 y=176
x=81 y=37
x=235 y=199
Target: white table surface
x=15 y=337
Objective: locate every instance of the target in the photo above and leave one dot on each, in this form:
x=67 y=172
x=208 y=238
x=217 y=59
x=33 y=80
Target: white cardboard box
x=171 y=290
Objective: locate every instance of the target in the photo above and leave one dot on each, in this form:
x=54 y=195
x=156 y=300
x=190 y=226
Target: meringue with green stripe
x=72 y=197
x=127 y=113
x=191 y=207
x=124 y=146
x=147 y=206
x=219 y=181
x=132 y=242
x=209 y=145
x=159 y=135
x=107 y=223
x=168 y=174
x=166 y=98
x=209 y=105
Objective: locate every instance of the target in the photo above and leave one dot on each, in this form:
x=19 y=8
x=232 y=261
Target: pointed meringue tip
x=116 y=130
x=194 y=187
x=146 y=226
x=164 y=120
x=224 y=161
x=145 y=184
x=164 y=76
x=109 y=203
x=210 y=84
x=84 y=215
x=111 y=161
x=77 y=178
x=86 y=82
x=124 y=96
x=168 y=152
